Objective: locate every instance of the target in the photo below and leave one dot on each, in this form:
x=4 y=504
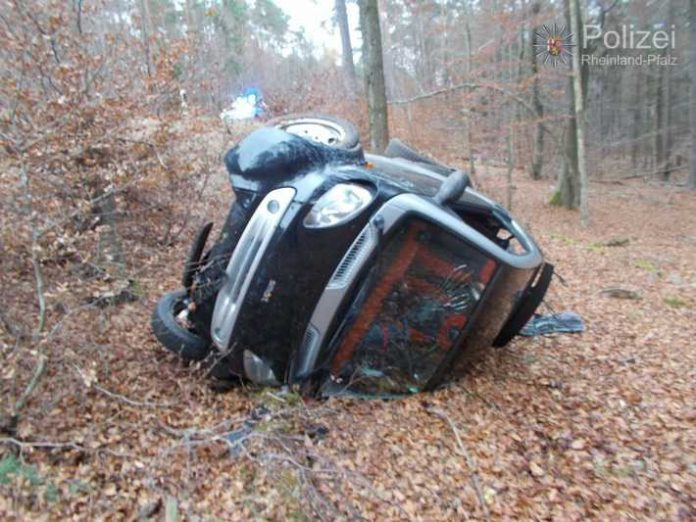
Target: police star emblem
x=554 y=45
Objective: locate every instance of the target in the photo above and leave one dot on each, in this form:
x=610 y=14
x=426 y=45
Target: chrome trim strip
x=333 y=294
x=390 y=214
x=245 y=259
x=354 y=257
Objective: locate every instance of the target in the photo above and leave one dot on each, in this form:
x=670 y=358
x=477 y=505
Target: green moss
x=52 y=493
x=596 y=247
x=646 y=265
x=675 y=302
x=11 y=466
x=566 y=240
x=78 y=486
x=555 y=200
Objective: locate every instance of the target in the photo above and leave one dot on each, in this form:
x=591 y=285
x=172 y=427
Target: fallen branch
x=40 y=444
x=621 y=293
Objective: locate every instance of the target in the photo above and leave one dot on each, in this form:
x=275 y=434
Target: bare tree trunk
x=35 y=261
x=637 y=108
x=538 y=146
x=510 y=167
x=147 y=33
x=692 y=101
x=663 y=136
x=191 y=25
x=346 y=45
x=568 y=191
x=579 y=106
x=374 y=75
x=667 y=132
x=659 y=124
x=468 y=122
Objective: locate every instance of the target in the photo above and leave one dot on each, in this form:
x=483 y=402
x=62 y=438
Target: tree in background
x=538 y=146
x=692 y=103
x=579 y=109
x=568 y=193
x=346 y=45
x=374 y=75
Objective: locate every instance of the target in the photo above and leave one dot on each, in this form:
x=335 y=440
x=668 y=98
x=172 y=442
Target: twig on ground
x=475 y=479
x=128 y=401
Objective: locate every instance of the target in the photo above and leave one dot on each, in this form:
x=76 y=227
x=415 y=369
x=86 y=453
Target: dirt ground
x=596 y=425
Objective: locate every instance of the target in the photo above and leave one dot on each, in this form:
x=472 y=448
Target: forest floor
x=600 y=424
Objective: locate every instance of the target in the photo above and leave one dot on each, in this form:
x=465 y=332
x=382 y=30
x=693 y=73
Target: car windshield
x=411 y=314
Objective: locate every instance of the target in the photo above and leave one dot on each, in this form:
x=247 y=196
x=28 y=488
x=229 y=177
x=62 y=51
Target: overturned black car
x=340 y=271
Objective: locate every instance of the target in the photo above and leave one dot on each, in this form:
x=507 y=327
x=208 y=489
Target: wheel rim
x=321 y=131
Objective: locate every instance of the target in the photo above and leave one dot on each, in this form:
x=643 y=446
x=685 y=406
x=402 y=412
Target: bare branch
x=130 y=402
x=36 y=263
x=474 y=85
x=36 y=377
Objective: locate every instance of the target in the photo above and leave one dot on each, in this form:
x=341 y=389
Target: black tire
x=348 y=140
x=194 y=257
x=529 y=301
x=174 y=337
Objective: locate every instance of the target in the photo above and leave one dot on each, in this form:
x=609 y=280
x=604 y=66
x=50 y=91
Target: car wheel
x=173 y=336
x=321 y=128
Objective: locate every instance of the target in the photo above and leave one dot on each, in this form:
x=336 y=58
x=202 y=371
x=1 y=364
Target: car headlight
x=340 y=204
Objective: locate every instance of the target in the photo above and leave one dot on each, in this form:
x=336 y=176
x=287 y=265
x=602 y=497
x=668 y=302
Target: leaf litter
x=600 y=424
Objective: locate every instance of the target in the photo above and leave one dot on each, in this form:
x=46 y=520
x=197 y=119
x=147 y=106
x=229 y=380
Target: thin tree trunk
x=692 y=101
x=579 y=106
x=147 y=33
x=637 y=108
x=510 y=166
x=659 y=124
x=35 y=261
x=667 y=134
x=468 y=123
x=538 y=146
x=667 y=109
x=568 y=192
x=374 y=75
x=346 y=45
x=191 y=24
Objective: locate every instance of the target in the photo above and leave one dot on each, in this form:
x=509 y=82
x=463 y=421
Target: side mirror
x=453 y=187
